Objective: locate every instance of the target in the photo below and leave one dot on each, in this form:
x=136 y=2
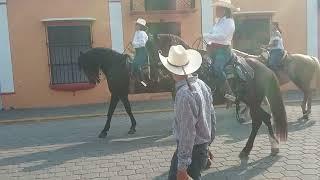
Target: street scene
x=70 y=149
x=160 y=89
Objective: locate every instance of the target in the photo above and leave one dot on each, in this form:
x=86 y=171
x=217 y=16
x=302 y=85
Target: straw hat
x=141 y=22
x=181 y=61
x=226 y=4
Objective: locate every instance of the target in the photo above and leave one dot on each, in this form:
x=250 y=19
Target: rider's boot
x=142 y=79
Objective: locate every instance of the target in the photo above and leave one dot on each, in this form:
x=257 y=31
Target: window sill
x=72 y=87
x=180 y=11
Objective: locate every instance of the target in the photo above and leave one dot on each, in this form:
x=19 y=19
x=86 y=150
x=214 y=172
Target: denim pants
x=140 y=58
x=221 y=57
x=198 y=162
x=275 y=57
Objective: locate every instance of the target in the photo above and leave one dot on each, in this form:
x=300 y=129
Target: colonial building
x=40 y=40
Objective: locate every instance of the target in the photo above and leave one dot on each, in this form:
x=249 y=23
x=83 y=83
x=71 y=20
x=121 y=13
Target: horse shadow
x=237 y=132
x=94 y=148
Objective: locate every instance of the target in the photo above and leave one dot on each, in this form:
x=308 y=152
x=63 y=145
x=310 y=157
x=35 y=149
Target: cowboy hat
x=181 y=61
x=226 y=4
x=141 y=22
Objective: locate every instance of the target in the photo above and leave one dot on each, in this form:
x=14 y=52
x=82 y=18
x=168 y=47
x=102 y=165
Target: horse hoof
x=241 y=120
x=103 y=134
x=274 y=151
x=243 y=155
x=132 y=131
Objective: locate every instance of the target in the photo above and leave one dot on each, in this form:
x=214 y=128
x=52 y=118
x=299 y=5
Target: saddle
x=266 y=56
x=239 y=68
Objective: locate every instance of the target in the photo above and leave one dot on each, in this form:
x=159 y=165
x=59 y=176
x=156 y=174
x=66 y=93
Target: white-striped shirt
x=195 y=118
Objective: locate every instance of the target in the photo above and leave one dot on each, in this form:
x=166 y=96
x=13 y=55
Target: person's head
x=223 y=12
x=276 y=27
x=141 y=25
x=181 y=62
x=224 y=8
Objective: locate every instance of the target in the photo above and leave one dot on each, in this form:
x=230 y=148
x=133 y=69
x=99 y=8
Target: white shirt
x=222 y=32
x=276 y=36
x=140 y=39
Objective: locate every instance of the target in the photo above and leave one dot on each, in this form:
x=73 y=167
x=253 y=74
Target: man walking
x=194 y=114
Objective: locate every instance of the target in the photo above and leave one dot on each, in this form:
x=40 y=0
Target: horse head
x=90 y=68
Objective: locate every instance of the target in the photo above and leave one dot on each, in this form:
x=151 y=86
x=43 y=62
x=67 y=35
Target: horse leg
x=112 y=107
x=127 y=106
x=306 y=103
x=304 y=86
x=309 y=102
x=272 y=138
x=245 y=115
x=256 y=123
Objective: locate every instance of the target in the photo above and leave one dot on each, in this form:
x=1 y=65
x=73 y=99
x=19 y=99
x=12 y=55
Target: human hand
x=183 y=175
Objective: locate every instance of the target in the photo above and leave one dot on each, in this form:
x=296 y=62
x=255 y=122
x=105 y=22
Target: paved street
x=71 y=150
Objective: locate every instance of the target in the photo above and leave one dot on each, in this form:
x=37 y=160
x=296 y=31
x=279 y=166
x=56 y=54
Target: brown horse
x=298 y=68
x=264 y=83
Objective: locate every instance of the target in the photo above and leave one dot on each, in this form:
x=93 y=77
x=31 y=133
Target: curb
x=73 y=117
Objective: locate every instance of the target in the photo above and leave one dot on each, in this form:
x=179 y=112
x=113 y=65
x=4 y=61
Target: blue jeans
x=221 y=57
x=140 y=58
x=198 y=162
x=275 y=57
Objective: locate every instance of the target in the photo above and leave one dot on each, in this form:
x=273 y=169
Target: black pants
x=198 y=162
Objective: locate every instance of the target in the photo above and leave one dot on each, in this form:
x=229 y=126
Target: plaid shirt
x=195 y=117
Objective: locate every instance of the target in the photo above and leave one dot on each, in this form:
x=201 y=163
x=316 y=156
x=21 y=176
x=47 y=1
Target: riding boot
x=142 y=78
x=229 y=94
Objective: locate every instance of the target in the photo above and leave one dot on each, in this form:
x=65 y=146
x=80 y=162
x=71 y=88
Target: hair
x=142 y=28
x=228 y=13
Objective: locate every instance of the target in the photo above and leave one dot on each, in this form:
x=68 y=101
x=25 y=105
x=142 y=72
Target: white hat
x=141 y=22
x=181 y=61
x=226 y=4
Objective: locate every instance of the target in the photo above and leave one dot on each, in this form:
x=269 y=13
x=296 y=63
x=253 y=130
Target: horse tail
x=317 y=73
x=277 y=108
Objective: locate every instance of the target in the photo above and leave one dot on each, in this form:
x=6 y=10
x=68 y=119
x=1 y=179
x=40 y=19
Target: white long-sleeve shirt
x=222 y=32
x=276 y=36
x=140 y=39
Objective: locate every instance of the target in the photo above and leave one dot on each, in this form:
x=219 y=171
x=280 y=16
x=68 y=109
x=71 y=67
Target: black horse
x=115 y=67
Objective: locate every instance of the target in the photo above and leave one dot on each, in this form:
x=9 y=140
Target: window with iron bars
x=64 y=46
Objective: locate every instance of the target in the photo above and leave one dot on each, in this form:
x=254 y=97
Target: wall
x=294 y=31
x=29 y=50
x=190 y=21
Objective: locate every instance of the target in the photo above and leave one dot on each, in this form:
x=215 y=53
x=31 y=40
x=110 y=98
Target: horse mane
x=176 y=39
x=94 y=60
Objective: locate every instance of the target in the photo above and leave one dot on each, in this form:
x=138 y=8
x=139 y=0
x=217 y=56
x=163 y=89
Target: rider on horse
x=219 y=42
x=276 y=46
x=139 y=43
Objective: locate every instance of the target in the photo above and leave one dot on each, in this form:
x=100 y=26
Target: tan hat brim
x=195 y=61
x=230 y=6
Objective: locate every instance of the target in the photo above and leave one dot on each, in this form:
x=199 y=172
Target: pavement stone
x=71 y=149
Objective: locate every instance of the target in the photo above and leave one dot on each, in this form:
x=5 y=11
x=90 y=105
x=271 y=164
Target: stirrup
x=230 y=97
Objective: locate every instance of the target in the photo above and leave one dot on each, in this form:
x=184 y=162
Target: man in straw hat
x=219 y=42
x=139 y=41
x=194 y=124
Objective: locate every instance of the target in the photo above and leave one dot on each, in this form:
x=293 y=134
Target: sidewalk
x=95 y=110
